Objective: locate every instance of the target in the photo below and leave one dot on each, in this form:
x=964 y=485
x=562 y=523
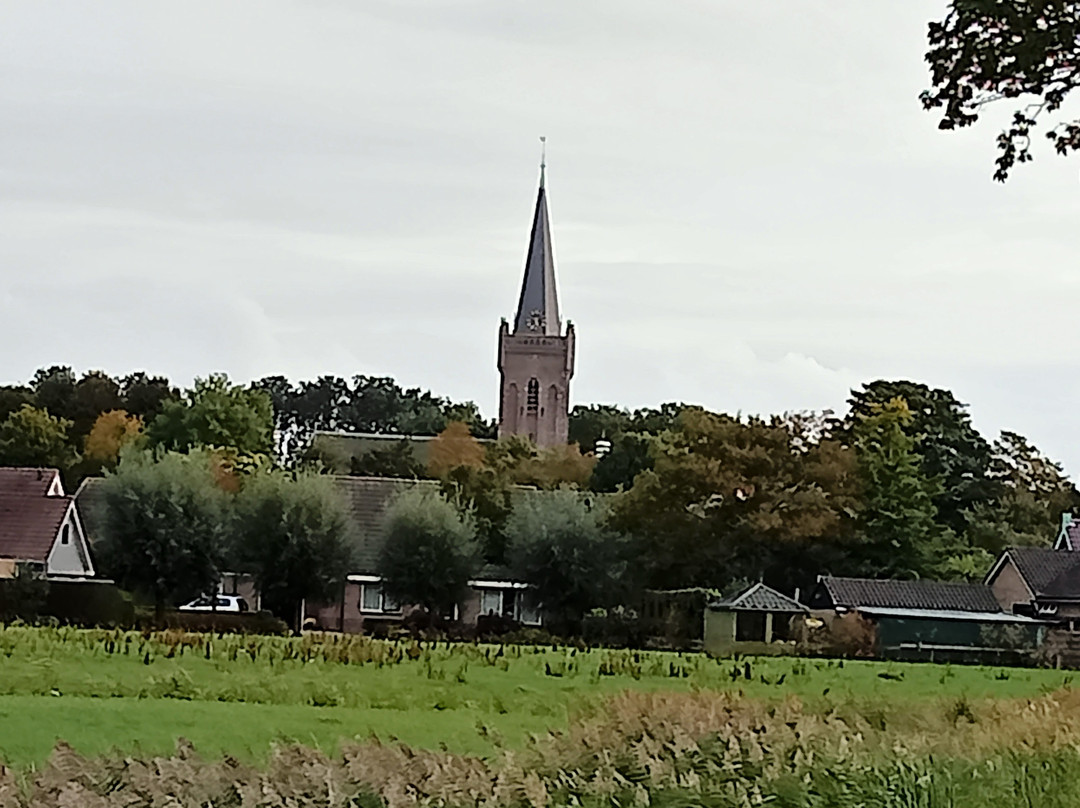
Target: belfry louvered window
x=532 y=396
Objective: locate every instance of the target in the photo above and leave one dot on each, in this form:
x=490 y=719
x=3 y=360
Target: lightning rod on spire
x=543 y=158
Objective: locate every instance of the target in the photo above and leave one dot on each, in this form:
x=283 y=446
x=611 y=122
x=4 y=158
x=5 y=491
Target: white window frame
x=370 y=582
x=514 y=589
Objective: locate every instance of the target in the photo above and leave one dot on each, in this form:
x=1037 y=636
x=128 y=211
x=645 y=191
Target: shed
x=758 y=616
x=933 y=620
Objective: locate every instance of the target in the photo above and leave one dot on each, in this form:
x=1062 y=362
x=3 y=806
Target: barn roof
x=853 y=593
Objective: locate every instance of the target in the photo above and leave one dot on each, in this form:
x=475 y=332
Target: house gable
x=1008 y=584
x=70 y=552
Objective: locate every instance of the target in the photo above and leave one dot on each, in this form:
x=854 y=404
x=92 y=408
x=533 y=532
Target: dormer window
x=65 y=534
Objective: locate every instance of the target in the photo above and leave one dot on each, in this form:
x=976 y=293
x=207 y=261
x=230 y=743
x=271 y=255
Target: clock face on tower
x=535 y=322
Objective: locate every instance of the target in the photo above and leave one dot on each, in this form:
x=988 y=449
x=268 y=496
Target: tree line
x=901 y=484
x=80 y=423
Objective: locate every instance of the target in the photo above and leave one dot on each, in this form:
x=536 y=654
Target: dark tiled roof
x=366 y=499
x=1066 y=586
x=885 y=593
x=1040 y=566
x=761 y=598
x=26 y=482
x=90 y=502
x=29 y=525
x=1072 y=531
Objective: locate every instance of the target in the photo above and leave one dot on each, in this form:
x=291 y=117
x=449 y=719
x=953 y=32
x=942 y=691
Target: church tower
x=536 y=358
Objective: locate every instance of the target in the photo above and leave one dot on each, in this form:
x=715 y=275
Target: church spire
x=538 y=305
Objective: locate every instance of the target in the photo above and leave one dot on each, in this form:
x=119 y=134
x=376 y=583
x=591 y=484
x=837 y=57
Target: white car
x=227 y=604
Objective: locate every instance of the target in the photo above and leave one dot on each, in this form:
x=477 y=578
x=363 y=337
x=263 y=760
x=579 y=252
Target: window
x=528 y=611
x=532 y=395
x=65 y=534
x=372 y=599
x=514 y=604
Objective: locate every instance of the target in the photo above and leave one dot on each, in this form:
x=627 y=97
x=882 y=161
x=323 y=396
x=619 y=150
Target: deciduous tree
x=12 y=397
x=1027 y=52
x=559 y=542
x=429 y=552
x=454 y=447
x=734 y=498
x=33 y=437
x=112 y=431
x=1035 y=491
x=215 y=412
x=291 y=535
x=166 y=526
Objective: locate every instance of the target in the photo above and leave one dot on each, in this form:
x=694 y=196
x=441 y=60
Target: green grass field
x=103 y=691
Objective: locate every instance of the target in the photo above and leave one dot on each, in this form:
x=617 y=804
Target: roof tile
x=761 y=598
x=1040 y=566
x=29 y=525
x=852 y=593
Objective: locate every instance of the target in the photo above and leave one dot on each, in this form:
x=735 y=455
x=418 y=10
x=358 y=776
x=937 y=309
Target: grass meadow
x=382 y=723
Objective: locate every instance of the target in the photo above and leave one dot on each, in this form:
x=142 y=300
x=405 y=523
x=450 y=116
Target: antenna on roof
x=543 y=158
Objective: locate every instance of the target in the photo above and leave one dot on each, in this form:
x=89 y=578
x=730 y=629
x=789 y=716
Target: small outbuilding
x=750 y=621
x=937 y=621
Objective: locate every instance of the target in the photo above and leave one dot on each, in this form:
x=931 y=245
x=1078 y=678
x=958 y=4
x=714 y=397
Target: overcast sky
x=750 y=209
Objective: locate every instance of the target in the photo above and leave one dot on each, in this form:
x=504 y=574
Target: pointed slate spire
x=538 y=306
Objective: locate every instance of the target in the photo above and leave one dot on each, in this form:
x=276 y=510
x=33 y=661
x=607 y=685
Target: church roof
x=538 y=306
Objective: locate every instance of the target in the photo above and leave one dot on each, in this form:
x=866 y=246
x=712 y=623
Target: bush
x=226 y=623
x=614 y=628
x=23 y=596
x=90 y=604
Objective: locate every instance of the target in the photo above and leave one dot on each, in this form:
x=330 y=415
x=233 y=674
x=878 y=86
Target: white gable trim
x=56 y=488
x=77 y=542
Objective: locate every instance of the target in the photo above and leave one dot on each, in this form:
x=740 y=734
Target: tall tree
x=620 y=440
x=96 y=392
x=429 y=552
x=1035 y=491
x=364 y=404
x=952 y=450
x=732 y=498
x=618 y=467
x=561 y=544
x=32 y=437
x=145 y=395
x=291 y=535
x=901 y=536
x=166 y=526
x=215 y=412
x=12 y=397
x=54 y=390
x=984 y=51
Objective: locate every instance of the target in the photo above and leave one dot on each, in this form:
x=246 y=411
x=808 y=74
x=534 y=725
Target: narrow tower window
x=532 y=395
